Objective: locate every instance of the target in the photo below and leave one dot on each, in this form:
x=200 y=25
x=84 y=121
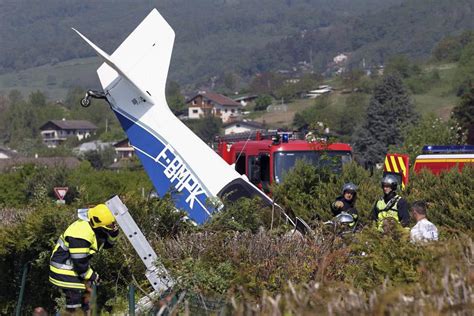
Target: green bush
x=246 y=251
x=421 y=83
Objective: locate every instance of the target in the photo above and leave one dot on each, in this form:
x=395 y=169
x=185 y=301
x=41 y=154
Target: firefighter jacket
x=70 y=262
x=348 y=207
x=391 y=206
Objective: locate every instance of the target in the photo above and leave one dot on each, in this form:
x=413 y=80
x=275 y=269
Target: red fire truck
x=440 y=158
x=397 y=165
x=435 y=159
x=266 y=157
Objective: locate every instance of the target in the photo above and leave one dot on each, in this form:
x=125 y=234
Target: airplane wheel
x=85 y=102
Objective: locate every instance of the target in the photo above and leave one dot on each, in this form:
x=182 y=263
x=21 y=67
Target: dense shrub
x=247 y=253
x=423 y=82
x=444 y=285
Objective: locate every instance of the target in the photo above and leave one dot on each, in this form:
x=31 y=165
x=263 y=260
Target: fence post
x=22 y=289
x=131 y=300
x=94 y=300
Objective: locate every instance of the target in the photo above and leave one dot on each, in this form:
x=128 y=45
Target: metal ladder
x=156 y=273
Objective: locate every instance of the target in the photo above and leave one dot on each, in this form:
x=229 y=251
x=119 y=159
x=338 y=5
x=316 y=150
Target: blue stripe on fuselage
x=167 y=171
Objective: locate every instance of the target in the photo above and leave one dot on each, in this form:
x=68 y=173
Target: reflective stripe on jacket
x=383 y=214
x=69 y=263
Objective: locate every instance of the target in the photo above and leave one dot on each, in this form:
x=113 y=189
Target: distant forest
x=215 y=38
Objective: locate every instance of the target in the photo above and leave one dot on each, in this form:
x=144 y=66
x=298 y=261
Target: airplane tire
x=85 y=102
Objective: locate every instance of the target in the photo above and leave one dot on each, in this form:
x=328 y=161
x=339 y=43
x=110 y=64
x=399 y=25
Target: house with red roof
x=205 y=103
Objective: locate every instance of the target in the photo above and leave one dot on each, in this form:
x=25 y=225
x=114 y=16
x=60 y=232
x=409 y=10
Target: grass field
x=53 y=80
x=439 y=99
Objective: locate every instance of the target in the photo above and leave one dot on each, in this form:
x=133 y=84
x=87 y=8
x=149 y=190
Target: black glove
x=113 y=233
x=94 y=279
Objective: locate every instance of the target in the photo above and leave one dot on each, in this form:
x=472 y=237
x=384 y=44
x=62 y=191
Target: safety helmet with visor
x=349 y=187
x=391 y=181
x=101 y=216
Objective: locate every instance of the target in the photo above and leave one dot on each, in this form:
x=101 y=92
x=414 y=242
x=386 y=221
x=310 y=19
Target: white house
x=95 y=145
x=215 y=104
x=340 y=59
x=246 y=99
x=236 y=127
x=56 y=132
x=124 y=149
x=323 y=89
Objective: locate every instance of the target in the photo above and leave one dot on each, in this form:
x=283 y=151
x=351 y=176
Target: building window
x=195 y=111
x=194 y=102
x=233 y=110
x=225 y=110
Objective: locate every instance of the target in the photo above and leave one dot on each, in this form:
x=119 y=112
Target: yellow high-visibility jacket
x=70 y=262
x=391 y=206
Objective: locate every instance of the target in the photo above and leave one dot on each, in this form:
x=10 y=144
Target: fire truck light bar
x=453 y=149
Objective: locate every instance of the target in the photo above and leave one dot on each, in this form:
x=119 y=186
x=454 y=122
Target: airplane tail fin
x=143 y=59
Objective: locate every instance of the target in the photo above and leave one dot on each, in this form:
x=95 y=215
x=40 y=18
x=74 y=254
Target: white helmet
x=349 y=187
x=391 y=180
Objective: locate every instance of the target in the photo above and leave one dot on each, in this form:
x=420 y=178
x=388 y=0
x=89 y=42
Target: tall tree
x=15 y=96
x=390 y=111
x=266 y=83
x=175 y=98
x=464 y=75
x=206 y=128
x=429 y=130
x=37 y=98
x=463 y=113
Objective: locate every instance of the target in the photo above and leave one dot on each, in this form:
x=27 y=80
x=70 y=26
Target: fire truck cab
x=267 y=158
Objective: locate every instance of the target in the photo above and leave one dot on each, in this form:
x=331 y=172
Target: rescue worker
x=70 y=267
x=346 y=202
x=424 y=230
x=390 y=207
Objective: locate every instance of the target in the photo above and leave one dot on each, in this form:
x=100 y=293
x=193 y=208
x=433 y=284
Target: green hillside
x=242 y=37
x=53 y=80
x=439 y=98
x=56 y=80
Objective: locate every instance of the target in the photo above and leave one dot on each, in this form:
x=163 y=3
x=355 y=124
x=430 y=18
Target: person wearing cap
x=390 y=208
x=424 y=230
x=346 y=202
x=69 y=266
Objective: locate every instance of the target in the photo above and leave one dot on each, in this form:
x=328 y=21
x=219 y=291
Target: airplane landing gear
x=92 y=94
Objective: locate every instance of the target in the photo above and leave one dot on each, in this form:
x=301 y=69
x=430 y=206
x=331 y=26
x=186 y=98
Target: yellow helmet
x=101 y=216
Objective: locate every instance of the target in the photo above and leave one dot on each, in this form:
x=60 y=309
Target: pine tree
x=390 y=111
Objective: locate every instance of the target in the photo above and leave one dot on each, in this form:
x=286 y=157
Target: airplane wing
x=176 y=160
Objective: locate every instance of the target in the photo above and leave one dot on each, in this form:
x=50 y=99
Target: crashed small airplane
x=133 y=79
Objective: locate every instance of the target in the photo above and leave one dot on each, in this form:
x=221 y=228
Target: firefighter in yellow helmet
x=69 y=265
